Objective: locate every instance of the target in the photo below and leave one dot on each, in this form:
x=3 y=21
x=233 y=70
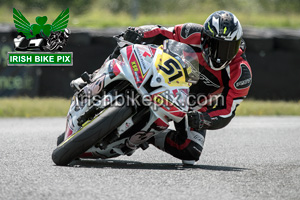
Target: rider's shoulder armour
x=189 y=29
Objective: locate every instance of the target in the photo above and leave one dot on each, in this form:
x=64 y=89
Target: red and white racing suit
x=231 y=83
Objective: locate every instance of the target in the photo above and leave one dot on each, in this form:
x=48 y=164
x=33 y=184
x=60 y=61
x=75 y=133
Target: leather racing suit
x=231 y=85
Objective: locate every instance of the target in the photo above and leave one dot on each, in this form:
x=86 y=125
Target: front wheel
x=60 y=138
x=90 y=134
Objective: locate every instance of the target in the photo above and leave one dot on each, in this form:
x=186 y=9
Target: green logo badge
x=41 y=36
x=30 y=31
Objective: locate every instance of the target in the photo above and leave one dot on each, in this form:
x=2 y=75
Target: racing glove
x=198 y=120
x=133 y=35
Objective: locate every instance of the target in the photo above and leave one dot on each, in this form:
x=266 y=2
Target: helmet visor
x=222 y=51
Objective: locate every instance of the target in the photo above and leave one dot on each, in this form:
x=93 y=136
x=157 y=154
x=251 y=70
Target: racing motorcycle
x=128 y=100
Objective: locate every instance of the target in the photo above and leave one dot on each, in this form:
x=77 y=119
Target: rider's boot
x=186 y=146
x=138 y=138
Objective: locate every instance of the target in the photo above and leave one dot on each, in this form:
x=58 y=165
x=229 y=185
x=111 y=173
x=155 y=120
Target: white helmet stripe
x=231 y=35
x=215 y=23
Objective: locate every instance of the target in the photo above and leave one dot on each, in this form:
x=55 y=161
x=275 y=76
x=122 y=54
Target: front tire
x=89 y=135
x=60 y=138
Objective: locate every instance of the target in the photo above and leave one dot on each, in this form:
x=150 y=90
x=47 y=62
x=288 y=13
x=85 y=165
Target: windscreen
x=186 y=55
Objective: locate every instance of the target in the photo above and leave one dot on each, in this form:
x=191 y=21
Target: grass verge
x=276 y=108
x=101 y=17
x=58 y=107
x=33 y=107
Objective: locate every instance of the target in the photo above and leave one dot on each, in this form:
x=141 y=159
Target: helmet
x=220 y=39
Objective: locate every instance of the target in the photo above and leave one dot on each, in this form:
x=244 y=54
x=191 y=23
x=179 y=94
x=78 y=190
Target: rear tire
x=88 y=136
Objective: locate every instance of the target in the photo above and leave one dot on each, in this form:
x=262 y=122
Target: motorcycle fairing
x=139 y=58
x=140 y=64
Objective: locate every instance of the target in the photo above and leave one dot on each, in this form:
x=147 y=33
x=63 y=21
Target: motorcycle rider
x=224 y=71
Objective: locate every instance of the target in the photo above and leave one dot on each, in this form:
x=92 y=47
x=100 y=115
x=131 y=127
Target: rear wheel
x=90 y=134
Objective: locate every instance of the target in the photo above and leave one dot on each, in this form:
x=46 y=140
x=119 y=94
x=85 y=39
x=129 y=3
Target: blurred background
x=271 y=31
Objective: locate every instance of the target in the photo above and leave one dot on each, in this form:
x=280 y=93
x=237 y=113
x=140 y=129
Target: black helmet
x=220 y=39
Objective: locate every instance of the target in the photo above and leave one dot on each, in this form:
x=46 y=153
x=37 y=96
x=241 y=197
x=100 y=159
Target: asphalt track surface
x=252 y=158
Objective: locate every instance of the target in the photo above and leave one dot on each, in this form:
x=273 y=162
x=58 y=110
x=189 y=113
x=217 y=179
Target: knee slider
x=193 y=151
